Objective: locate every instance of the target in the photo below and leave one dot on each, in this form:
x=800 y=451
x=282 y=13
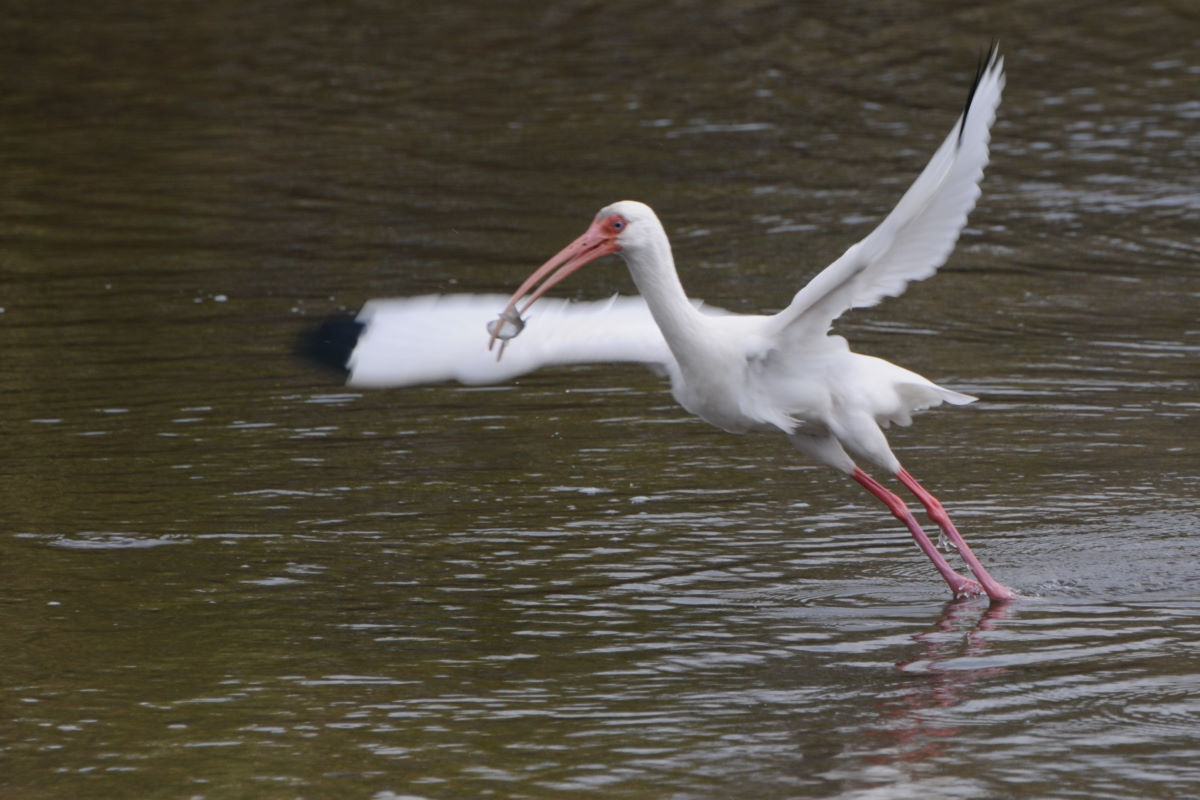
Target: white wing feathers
x=417 y=340
x=918 y=235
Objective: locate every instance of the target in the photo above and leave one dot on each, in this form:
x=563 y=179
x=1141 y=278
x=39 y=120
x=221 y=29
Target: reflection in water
x=950 y=666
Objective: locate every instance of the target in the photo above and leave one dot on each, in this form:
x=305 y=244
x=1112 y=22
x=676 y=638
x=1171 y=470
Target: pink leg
x=959 y=585
x=995 y=590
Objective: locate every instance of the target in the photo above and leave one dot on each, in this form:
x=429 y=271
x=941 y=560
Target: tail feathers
x=330 y=343
x=915 y=397
x=955 y=398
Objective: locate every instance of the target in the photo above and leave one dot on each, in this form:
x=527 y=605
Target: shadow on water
x=225 y=575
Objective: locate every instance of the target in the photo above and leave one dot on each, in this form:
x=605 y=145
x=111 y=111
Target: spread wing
x=417 y=340
x=918 y=235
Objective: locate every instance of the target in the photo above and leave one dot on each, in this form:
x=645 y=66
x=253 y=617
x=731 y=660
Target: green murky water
x=226 y=576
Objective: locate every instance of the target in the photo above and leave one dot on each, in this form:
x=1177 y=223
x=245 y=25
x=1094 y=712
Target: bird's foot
x=995 y=592
x=967 y=588
x=999 y=593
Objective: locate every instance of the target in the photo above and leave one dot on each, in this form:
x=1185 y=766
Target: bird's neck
x=653 y=270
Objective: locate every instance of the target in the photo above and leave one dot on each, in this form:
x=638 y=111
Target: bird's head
x=630 y=224
x=619 y=228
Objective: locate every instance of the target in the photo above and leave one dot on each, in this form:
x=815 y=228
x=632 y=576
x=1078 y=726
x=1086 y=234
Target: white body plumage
x=741 y=373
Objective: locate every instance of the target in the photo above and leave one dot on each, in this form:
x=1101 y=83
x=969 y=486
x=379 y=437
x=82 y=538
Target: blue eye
x=618 y=224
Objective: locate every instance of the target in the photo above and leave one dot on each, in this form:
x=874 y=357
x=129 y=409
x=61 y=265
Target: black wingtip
x=330 y=343
x=986 y=62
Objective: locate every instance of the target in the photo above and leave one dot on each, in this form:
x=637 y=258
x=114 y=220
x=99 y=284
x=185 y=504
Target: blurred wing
x=416 y=340
x=917 y=237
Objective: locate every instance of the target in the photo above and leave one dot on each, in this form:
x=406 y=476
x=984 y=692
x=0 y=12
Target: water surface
x=227 y=576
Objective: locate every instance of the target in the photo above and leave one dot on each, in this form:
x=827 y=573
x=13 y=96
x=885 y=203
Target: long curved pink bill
x=587 y=248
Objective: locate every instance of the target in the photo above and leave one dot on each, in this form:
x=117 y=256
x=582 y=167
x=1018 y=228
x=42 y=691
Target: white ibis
x=783 y=372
